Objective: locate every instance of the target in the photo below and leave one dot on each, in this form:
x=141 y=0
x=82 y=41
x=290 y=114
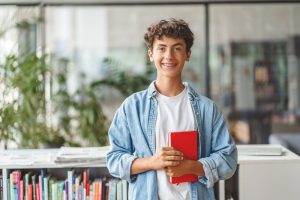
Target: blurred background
x=66 y=66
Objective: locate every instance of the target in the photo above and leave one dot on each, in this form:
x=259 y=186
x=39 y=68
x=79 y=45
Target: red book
x=187 y=143
x=21 y=192
x=88 y=189
x=37 y=189
x=29 y=192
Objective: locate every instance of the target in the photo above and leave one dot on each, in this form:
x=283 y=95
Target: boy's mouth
x=168 y=64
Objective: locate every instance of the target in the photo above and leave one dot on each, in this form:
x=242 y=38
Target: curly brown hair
x=171 y=28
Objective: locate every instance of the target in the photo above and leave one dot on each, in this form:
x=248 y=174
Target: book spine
x=26 y=180
x=88 y=190
x=8 y=188
x=100 y=190
x=95 y=191
x=33 y=182
x=70 y=185
x=67 y=189
x=112 y=189
x=21 y=191
x=54 y=191
x=40 y=187
x=1 y=187
x=29 y=192
x=45 y=183
x=119 y=190
x=37 y=190
x=11 y=186
x=125 y=188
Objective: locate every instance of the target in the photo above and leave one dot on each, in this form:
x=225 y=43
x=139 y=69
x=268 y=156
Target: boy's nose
x=169 y=54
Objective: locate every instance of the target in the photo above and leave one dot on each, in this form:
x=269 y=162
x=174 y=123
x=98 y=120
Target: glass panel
x=98 y=40
x=17 y=30
x=18 y=39
x=98 y=58
x=255 y=66
x=252 y=50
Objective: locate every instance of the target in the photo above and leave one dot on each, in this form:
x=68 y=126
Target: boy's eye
x=160 y=48
x=177 y=48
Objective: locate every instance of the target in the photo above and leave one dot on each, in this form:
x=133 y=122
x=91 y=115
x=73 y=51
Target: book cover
x=40 y=187
x=8 y=188
x=45 y=185
x=70 y=184
x=187 y=143
x=119 y=190
x=1 y=187
x=33 y=187
x=37 y=190
x=11 y=183
x=125 y=190
x=26 y=183
x=112 y=192
x=60 y=189
x=29 y=192
x=54 y=191
x=21 y=190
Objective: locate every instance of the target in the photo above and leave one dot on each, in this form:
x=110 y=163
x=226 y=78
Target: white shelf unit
x=58 y=170
x=263 y=177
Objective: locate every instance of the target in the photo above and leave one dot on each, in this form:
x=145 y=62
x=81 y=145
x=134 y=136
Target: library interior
x=66 y=66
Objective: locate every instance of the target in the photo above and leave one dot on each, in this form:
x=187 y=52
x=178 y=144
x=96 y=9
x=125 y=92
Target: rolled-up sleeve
x=120 y=156
x=222 y=161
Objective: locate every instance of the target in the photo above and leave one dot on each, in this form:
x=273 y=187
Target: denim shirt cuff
x=211 y=173
x=130 y=178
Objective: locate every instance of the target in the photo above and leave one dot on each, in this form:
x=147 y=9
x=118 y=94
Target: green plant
x=124 y=81
x=80 y=115
x=23 y=115
x=80 y=120
x=85 y=107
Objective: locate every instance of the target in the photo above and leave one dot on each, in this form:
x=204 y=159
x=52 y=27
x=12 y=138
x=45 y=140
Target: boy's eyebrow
x=176 y=44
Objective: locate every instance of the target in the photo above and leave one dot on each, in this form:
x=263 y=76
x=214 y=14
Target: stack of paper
x=24 y=157
x=260 y=150
x=81 y=154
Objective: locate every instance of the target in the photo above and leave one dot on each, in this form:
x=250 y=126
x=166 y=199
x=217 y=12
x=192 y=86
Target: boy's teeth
x=169 y=65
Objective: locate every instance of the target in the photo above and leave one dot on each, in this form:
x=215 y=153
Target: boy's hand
x=166 y=157
x=185 y=167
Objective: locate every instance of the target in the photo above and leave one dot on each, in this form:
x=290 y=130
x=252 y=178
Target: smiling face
x=169 y=55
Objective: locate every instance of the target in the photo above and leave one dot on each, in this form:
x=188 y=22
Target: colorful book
x=8 y=188
x=37 y=190
x=112 y=192
x=21 y=190
x=46 y=188
x=119 y=190
x=1 y=187
x=54 y=191
x=41 y=187
x=29 y=192
x=33 y=182
x=71 y=183
x=187 y=143
x=125 y=189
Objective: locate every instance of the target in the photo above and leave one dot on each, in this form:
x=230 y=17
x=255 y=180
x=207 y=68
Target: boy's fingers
x=167 y=148
x=174 y=157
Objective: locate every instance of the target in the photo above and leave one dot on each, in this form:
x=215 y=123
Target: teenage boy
x=139 y=131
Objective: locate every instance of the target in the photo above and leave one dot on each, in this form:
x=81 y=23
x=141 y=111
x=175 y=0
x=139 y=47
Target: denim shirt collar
x=191 y=92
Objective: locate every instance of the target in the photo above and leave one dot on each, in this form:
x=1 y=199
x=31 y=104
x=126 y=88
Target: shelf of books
x=58 y=174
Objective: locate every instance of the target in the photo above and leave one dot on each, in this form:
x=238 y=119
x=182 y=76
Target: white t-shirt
x=174 y=114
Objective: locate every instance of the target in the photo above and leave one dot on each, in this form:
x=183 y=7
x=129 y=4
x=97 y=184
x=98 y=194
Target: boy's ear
x=150 y=54
x=188 y=55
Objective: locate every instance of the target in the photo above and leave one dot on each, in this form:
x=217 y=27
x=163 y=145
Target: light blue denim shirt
x=132 y=135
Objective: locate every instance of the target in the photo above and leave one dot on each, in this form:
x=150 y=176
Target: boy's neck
x=169 y=87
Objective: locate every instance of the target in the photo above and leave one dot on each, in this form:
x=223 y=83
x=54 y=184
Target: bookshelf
x=34 y=161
